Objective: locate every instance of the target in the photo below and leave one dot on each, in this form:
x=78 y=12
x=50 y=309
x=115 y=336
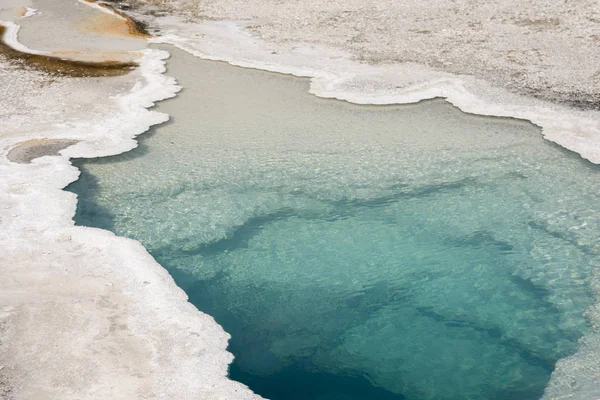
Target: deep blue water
x=361 y=252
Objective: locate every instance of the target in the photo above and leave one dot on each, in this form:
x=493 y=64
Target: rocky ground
x=546 y=49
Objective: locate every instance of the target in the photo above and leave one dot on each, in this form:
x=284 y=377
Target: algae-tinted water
x=355 y=252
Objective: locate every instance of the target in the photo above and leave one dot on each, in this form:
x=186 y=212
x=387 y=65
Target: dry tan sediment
x=21 y=11
x=31 y=149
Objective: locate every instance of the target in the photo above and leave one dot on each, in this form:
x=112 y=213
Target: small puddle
x=30 y=150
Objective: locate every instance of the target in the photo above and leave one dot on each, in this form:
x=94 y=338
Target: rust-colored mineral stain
x=111 y=25
x=97 y=57
x=21 y=11
x=117 y=26
x=54 y=64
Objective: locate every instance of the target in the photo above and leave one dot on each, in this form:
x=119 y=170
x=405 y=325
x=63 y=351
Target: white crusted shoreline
x=86 y=314
x=103 y=309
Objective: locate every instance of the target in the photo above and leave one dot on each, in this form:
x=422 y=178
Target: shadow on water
x=89 y=212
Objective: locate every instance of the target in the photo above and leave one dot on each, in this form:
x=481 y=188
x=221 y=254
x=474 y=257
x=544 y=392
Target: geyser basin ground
x=360 y=252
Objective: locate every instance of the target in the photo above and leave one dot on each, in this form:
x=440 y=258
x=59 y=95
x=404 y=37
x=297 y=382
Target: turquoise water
x=354 y=252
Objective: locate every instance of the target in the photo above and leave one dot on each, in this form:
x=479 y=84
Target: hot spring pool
x=360 y=252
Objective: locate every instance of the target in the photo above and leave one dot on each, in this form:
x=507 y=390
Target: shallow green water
x=360 y=252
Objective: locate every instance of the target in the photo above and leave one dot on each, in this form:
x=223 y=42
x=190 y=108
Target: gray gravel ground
x=547 y=49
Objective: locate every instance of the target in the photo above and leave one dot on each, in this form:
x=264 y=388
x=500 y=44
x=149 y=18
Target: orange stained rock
x=119 y=24
x=21 y=11
x=72 y=63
